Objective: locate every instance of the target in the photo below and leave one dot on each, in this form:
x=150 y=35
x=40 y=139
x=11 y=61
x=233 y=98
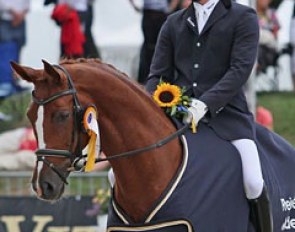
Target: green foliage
x=282 y=106
x=16 y=107
x=102 y=198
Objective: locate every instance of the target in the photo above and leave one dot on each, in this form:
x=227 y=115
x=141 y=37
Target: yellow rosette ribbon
x=92 y=129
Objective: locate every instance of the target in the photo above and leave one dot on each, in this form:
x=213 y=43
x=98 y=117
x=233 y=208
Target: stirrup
x=260 y=212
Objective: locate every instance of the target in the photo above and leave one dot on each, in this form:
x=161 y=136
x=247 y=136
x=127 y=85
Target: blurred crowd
x=75 y=19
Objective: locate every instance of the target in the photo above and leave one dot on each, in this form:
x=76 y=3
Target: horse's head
x=55 y=116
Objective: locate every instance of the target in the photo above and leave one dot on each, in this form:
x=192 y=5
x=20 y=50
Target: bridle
x=78 y=161
x=43 y=153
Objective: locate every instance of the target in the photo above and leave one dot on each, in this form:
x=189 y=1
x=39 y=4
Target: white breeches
x=252 y=173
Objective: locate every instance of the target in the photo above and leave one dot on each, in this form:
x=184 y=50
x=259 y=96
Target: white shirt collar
x=203 y=12
x=208 y=6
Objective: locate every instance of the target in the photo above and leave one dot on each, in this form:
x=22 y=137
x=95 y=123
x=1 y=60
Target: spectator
x=17 y=149
x=12 y=39
x=76 y=35
x=90 y=49
x=154 y=15
x=269 y=26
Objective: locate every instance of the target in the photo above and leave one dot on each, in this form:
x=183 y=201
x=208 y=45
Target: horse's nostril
x=47 y=189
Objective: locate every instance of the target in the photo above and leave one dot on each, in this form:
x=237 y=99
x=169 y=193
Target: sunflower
x=167 y=95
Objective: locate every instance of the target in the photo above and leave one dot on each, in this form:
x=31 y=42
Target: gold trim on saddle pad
x=152 y=227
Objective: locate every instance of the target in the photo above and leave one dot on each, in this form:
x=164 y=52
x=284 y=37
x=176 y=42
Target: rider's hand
x=198 y=109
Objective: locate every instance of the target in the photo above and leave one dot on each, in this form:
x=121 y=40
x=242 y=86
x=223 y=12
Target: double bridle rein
x=78 y=160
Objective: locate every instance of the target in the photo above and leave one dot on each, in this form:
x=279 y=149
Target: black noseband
x=51 y=152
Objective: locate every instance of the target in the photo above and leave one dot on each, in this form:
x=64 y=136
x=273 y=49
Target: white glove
x=197 y=111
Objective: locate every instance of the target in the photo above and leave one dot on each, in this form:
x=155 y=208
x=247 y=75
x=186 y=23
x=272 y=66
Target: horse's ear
x=51 y=71
x=25 y=73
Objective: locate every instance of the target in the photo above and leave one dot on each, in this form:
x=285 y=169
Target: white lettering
x=288 y=224
x=41 y=222
x=84 y=229
x=58 y=229
x=12 y=222
x=288 y=205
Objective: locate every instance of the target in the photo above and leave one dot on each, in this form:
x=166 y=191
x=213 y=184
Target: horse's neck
x=131 y=121
x=140 y=180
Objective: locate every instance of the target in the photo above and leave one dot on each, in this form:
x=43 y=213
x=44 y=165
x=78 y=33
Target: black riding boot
x=260 y=213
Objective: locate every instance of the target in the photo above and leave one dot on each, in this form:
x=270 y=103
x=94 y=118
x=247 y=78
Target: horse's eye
x=61 y=116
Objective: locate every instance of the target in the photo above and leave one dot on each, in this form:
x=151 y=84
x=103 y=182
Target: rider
x=210 y=48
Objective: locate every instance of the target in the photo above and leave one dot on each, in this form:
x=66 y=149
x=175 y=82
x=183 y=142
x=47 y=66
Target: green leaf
x=173 y=110
x=185 y=98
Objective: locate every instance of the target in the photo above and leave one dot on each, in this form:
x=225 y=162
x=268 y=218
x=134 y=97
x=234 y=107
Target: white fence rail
x=83 y=184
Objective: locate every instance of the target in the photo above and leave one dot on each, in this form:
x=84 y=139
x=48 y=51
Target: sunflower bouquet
x=172 y=99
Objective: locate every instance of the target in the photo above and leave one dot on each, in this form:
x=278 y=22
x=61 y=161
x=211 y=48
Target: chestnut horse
x=125 y=115
x=130 y=120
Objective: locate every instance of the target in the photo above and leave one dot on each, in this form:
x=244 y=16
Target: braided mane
x=119 y=74
x=79 y=60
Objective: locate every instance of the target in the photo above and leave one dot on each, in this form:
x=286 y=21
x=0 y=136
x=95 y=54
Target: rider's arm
x=243 y=55
x=162 y=64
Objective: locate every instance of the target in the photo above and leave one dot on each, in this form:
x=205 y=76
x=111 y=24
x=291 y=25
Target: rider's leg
x=252 y=174
x=254 y=185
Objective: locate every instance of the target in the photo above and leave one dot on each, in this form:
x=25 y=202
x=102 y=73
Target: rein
x=78 y=162
x=81 y=162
